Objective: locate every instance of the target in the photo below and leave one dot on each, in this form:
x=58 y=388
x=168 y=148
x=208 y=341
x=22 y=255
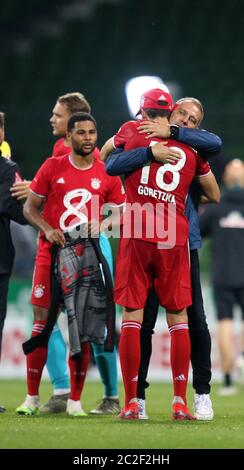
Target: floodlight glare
x=136 y=86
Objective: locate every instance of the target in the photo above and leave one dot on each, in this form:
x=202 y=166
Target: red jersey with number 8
x=73 y=196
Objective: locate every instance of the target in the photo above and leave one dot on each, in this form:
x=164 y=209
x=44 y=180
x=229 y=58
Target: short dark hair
x=79 y=117
x=2 y=119
x=153 y=113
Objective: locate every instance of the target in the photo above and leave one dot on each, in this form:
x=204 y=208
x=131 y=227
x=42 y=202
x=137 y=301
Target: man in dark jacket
x=10 y=209
x=225 y=224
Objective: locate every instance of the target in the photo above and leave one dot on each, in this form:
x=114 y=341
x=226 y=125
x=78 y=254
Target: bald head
x=234 y=174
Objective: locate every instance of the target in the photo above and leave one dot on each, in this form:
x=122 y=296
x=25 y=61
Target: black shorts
x=225 y=299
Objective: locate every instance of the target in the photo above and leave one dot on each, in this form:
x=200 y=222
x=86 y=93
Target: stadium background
x=49 y=48
x=95 y=46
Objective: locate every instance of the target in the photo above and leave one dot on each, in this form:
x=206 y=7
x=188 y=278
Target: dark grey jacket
x=224 y=223
x=10 y=209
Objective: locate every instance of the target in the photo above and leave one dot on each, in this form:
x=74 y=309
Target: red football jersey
x=73 y=196
x=60 y=149
x=158 y=191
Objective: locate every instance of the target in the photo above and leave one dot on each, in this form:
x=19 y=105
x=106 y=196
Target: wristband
x=174 y=132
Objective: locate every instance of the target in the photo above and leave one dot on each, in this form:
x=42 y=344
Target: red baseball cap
x=156 y=99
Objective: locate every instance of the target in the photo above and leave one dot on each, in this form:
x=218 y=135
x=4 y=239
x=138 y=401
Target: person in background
x=5 y=150
x=24 y=240
x=65 y=106
x=225 y=225
x=10 y=209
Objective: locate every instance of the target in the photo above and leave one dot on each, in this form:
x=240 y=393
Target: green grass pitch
x=226 y=431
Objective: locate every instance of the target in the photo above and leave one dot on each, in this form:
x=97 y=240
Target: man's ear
x=68 y=135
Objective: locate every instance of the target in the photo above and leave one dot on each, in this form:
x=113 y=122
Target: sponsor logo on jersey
x=61 y=181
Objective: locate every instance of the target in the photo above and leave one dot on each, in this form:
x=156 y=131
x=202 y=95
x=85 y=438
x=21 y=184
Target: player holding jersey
x=65 y=106
x=161 y=191
x=71 y=186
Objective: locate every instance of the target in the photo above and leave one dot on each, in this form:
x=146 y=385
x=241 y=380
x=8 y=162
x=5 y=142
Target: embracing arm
x=202 y=140
x=121 y=161
x=106 y=149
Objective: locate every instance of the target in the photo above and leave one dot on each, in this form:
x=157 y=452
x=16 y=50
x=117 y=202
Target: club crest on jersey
x=39 y=291
x=95 y=183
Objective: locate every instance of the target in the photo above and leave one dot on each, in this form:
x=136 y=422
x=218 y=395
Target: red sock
x=130 y=354
x=36 y=361
x=78 y=370
x=180 y=358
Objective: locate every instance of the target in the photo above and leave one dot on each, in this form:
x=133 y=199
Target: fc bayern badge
x=95 y=183
x=39 y=291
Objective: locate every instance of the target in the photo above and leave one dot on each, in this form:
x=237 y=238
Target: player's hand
x=20 y=189
x=93 y=228
x=154 y=129
x=55 y=237
x=165 y=154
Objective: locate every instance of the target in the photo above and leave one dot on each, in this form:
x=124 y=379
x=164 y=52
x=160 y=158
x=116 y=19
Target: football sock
x=107 y=361
x=35 y=361
x=129 y=351
x=78 y=370
x=180 y=351
x=107 y=366
x=227 y=380
x=57 y=361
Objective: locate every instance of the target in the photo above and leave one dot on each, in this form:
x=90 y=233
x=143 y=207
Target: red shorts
x=41 y=292
x=141 y=264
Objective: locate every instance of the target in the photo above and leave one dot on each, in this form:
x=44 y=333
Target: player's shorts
x=225 y=299
x=41 y=294
x=141 y=264
x=41 y=283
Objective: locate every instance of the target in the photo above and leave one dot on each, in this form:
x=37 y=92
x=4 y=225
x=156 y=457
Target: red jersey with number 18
x=156 y=193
